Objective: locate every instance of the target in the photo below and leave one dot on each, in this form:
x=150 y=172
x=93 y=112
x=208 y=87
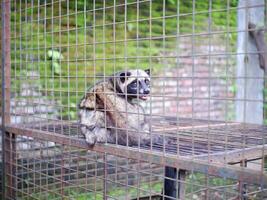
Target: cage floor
x=190 y=137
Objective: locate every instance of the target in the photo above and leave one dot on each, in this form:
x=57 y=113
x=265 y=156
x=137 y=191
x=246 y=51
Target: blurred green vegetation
x=118 y=192
x=195 y=182
x=97 y=40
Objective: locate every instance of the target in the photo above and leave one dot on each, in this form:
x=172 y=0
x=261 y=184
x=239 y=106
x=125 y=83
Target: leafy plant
x=55 y=57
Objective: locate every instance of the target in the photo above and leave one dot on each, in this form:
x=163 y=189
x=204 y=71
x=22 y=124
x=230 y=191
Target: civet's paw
x=90 y=137
x=101 y=135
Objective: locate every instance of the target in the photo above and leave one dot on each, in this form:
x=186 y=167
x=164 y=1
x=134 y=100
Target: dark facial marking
x=132 y=87
x=140 y=87
x=123 y=76
x=144 y=86
x=147 y=82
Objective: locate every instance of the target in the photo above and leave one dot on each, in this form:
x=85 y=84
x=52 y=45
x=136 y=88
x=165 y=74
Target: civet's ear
x=123 y=76
x=147 y=71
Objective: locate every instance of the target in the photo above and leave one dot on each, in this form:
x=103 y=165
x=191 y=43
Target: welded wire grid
x=61 y=48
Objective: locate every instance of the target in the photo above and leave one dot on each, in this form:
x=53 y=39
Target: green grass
x=74 y=193
x=194 y=183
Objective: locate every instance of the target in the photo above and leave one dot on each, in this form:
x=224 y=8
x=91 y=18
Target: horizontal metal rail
x=186 y=163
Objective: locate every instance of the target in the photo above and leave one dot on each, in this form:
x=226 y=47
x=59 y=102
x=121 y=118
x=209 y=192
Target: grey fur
x=107 y=114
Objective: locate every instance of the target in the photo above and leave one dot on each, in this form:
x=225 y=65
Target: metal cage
x=208 y=88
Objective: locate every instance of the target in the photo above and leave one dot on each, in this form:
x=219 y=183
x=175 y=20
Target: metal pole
x=248 y=64
x=5 y=94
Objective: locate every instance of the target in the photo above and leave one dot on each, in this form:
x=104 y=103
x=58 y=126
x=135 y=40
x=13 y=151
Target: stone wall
x=198 y=86
x=29 y=104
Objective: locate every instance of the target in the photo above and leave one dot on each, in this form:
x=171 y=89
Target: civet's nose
x=146 y=91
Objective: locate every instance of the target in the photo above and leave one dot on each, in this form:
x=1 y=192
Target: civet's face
x=135 y=83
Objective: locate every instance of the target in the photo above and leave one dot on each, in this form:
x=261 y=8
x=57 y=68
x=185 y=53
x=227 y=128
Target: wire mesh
x=206 y=108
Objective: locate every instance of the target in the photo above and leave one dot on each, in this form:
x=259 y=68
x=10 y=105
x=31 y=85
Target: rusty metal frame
x=216 y=169
x=8 y=139
x=217 y=164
